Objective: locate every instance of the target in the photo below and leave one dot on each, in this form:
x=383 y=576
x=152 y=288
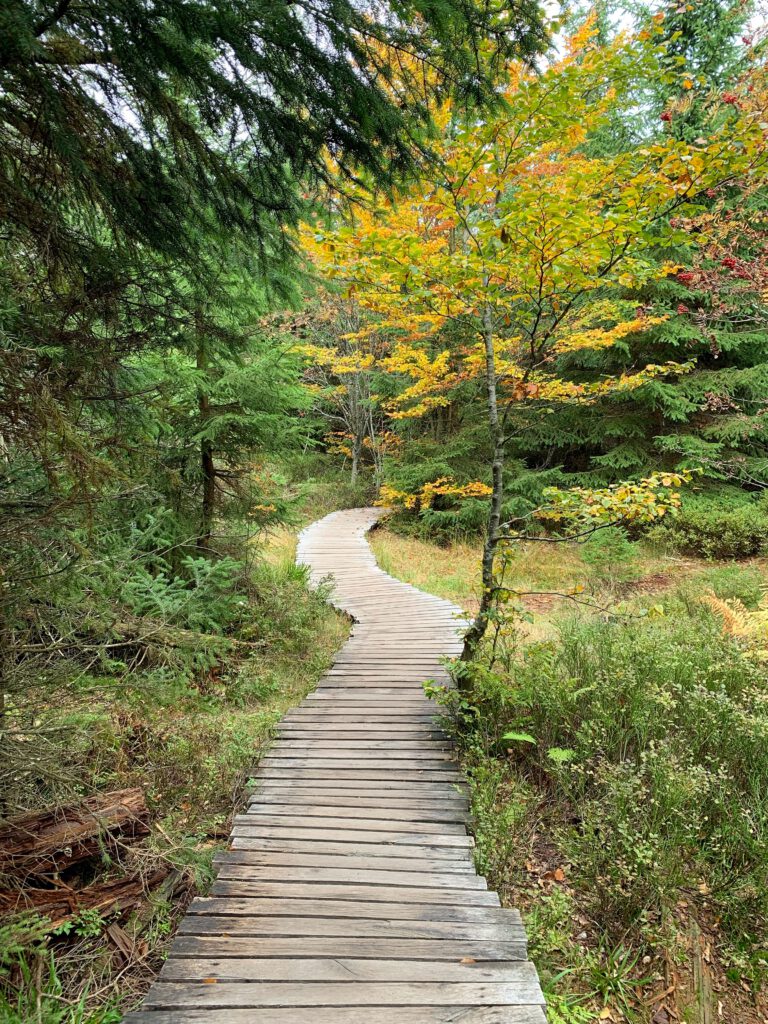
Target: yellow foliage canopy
x=516 y=228
x=426 y=495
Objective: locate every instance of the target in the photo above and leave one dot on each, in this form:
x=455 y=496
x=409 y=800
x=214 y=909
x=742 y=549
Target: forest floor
x=185 y=734
x=599 y=960
x=543 y=574
x=188 y=738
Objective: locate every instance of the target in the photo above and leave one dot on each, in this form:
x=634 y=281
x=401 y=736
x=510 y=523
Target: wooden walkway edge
x=349 y=894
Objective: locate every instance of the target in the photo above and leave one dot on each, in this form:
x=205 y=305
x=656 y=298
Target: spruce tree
x=156 y=116
x=139 y=141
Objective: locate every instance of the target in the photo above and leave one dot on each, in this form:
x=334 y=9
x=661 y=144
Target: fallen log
x=50 y=841
x=62 y=905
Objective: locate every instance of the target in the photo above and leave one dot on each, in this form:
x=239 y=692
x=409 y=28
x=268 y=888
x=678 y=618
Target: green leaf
x=561 y=755
x=521 y=737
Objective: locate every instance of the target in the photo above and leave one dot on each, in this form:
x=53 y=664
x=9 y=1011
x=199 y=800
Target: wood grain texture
x=282 y=859
x=350 y=1014
x=348 y=894
x=347 y=876
x=288 y=890
x=350 y=970
x=342 y=928
x=374 y=848
x=379 y=948
x=333 y=993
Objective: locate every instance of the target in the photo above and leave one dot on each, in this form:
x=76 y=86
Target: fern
x=739 y=621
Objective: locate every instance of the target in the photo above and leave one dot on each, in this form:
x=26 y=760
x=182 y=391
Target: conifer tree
x=158 y=117
x=138 y=141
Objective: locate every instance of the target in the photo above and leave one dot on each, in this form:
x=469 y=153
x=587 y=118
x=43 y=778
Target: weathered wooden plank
x=384 y=718
x=362 y=790
x=336 y=698
x=346 y=833
x=283 y=859
x=368 y=655
x=363 y=662
x=375 y=692
x=343 y=705
x=399 y=907
x=394 y=614
x=341 y=927
x=348 y=970
x=339 y=702
x=443 y=808
x=406 y=682
x=433 y=728
x=403 y=796
x=288 y=889
x=443 y=794
x=319 y=760
x=261 y=809
x=243 y=846
x=344 y=747
x=370 y=715
x=389 y=730
x=341 y=683
x=258 y=816
x=398 y=779
x=301 y=993
x=401 y=648
x=377 y=948
x=333 y=753
x=329 y=796
x=373 y=661
x=352 y=730
x=381 y=775
x=349 y=1014
x=347 y=876
x=415 y=639
x=394 y=676
x=337 y=708
x=331 y=759
x=327 y=720
x=392 y=665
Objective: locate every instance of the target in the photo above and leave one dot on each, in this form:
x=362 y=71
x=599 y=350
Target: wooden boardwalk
x=349 y=893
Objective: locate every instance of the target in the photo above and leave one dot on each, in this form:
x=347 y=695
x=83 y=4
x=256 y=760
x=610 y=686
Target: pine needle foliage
x=153 y=118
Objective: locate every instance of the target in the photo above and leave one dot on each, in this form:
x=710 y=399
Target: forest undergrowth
x=180 y=716
x=615 y=749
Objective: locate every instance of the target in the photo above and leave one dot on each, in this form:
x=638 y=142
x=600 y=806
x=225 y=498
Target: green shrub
x=651 y=737
x=744 y=582
x=208 y=597
x=725 y=525
x=610 y=556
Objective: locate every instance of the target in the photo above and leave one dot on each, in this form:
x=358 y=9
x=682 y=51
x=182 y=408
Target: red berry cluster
x=739 y=268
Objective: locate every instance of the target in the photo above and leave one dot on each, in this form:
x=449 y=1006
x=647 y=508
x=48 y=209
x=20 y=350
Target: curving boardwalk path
x=349 y=895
